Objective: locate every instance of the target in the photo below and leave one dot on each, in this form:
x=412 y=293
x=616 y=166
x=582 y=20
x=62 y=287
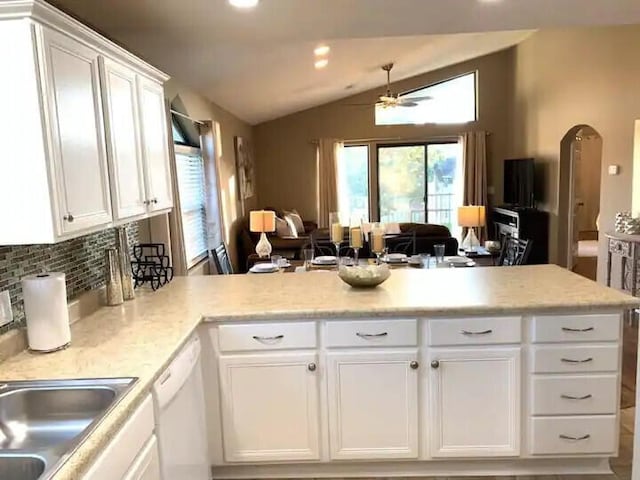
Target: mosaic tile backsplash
x=81 y=259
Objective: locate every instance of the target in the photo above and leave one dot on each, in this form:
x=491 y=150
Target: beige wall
x=573 y=77
x=286 y=159
x=199 y=108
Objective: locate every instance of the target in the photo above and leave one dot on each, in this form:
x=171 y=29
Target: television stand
x=525 y=223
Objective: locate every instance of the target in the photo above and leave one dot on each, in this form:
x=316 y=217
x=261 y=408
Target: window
x=191 y=188
x=452 y=101
x=420 y=183
x=353 y=182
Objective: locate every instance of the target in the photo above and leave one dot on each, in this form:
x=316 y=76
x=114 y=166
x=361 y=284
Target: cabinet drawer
x=267 y=336
x=475 y=331
x=576 y=328
x=574 y=395
x=573 y=435
x=372 y=333
x=576 y=358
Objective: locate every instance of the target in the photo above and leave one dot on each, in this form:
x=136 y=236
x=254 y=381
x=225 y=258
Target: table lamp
x=471 y=216
x=261 y=221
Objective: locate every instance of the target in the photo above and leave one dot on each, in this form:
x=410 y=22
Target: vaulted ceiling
x=258 y=64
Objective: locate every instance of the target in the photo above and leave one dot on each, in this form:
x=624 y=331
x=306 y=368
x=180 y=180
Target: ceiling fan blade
x=416 y=99
x=407 y=104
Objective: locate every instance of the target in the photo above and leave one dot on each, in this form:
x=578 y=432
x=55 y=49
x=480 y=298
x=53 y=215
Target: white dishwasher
x=178 y=399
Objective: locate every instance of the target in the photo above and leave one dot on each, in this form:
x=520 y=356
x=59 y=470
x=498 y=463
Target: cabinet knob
x=311 y=367
x=435 y=364
x=68 y=217
x=414 y=365
x=147 y=202
x=155 y=200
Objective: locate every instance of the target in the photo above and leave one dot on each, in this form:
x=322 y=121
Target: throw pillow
x=292 y=226
x=282 y=228
x=297 y=221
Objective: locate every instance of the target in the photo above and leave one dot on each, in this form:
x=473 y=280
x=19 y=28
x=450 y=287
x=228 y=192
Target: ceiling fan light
x=244 y=3
x=321 y=63
x=321 y=50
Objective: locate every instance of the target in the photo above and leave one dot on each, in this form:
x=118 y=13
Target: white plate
x=457 y=260
x=263 y=268
x=396 y=258
x=415 y=260
x=324 y=260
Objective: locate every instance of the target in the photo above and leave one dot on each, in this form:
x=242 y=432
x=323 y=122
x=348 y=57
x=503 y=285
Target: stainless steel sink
x=21 y=467
x=42 y=422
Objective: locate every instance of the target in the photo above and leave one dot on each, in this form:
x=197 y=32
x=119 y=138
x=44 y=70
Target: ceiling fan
x=390 y=99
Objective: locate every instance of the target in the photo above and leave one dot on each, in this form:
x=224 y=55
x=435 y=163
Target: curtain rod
x=187 y=117
x=396 y=139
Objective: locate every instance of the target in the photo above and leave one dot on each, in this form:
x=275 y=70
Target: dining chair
x=515 y=251
x=402 y=243
x=220 y=259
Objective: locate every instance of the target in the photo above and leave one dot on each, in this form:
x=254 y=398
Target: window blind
x=191 y=187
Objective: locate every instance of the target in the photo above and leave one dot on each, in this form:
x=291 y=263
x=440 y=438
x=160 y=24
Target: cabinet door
x=373 y=405
x=123 y=140
x=155 y=144
x=270 y=407
x=475 y=402
x=72 y=90
x=146 y=466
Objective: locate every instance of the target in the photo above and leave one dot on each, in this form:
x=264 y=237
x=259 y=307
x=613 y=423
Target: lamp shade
x=471 y=216
x=262 y=221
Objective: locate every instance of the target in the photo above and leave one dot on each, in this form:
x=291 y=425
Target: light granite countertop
x=139 y=338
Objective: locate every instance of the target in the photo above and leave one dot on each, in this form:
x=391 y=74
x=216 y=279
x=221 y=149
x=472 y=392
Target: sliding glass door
x=420 y=182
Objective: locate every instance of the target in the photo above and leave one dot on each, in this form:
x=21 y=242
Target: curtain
x=328 y=152
x=474 y=150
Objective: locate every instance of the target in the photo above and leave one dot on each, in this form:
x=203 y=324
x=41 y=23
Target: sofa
x=288 y=247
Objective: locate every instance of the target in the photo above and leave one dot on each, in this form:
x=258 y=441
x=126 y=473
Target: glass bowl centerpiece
x=364 y=276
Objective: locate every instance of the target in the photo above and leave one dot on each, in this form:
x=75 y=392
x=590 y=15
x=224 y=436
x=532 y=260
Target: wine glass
x=355 y=236
x=336 y=232
x=377 y=240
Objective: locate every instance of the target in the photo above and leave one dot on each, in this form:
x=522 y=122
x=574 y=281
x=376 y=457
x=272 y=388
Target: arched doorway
x=579 y=199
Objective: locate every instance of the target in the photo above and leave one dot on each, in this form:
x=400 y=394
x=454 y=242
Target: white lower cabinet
x=132 y=454
x=474 y=402
x=373 y=405
x=270 y=407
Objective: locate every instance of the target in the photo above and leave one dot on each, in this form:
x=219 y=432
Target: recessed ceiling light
x=244 y=3
x=321 y=50
x=323 y=62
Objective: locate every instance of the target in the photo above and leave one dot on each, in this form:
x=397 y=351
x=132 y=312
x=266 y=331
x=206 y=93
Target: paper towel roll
x=45 y=306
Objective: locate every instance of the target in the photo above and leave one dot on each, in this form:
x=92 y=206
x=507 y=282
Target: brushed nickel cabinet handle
x=484 y=332
x=414 y=365
x=69 y=218
x=165 y=377
x=574 y=439
x=571 y=360
x=311 y=367
x=571 y=397
x=268 y=339
x=147 y=202
x=435 y=364
x=578 y=330
x=372 y=335
x=155 y=200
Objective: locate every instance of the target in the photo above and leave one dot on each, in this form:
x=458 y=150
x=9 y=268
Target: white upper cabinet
x=78 y=154
x=123 y=139
x=75 y=156
x=155 y=142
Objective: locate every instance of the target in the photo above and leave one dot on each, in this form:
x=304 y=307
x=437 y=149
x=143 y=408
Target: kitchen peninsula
x=486 y=371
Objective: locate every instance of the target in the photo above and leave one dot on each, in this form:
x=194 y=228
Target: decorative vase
x=620 y=224
x=632 y=226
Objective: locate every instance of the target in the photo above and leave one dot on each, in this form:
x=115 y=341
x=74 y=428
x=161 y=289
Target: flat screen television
x=519 y=179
